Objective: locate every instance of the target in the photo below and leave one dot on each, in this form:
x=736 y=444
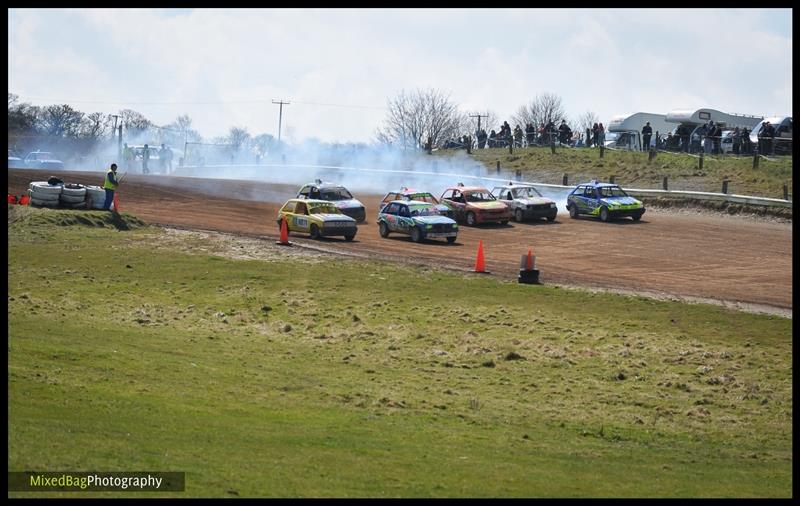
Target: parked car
x=475 y=204
x=15 y=162
x=319 y=218
x=604 y=200
x=525 y=202
x=421 y=220
x=411 y=194
x=337 y=194
x=43 y=160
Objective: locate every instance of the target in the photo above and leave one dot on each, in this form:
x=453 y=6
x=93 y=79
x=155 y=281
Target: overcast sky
x=338 y=67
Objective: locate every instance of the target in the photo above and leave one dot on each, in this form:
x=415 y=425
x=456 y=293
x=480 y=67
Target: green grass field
x=318 y=376
x=632 y=169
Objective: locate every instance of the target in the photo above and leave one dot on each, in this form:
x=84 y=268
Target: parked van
x=687 y=121
x=783 y=130
x=625 y=130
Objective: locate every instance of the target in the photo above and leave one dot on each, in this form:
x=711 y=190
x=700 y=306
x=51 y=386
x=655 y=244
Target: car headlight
x=455 y=225
x=552 y=204
x=428 y=227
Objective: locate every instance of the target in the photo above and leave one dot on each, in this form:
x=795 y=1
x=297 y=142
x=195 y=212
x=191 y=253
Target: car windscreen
x=422 y=210
x=611 y=191
x=335 y=194
x=526 y=193
x=323 y=209
x=423 y=197
x=480 y=197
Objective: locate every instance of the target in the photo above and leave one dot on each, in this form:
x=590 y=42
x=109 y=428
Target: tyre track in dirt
x=703 y=256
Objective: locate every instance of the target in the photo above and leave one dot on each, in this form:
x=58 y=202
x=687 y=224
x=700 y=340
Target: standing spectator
x=530 y=134
x=127 y=156
x=588 y=137
x=482 y=139
x=683 y=137
x=542 y=131
x=747 y=146
x=517 y=137
x=595 y=134
x=169 y=158
x=492 y=138
x=769 y=136
x=647 y=132
x=550 y=130
x=162 y=159
x=737 y=139
x=601 y=134
x=145 y=159
x=110 y=186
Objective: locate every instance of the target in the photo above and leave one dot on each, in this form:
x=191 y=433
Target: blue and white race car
x=420 y=220
x=604 y=200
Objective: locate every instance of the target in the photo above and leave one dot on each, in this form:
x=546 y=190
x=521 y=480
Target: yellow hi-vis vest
x=108 y=184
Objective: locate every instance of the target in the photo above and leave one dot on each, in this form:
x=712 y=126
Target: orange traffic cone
x=116 y=203
x=284 y=233
x=527 y=273
x=480 y=262
x=24 y=200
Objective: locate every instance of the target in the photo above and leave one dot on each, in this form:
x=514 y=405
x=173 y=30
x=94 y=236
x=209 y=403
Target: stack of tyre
x=73 y=196
x=95 y=197
x=44 y=194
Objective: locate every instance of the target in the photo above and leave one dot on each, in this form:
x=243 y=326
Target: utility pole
x=479 y=116
x=280 y=117
x=114 y=132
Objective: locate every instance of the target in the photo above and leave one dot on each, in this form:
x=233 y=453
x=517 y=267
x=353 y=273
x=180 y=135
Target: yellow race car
x=319 y=218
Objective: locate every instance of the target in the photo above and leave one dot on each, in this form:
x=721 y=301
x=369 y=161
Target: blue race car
x=420 y=220
x=604 y=200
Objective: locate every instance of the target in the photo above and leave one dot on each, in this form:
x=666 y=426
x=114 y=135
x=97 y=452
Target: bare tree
x=94 y=126
x=544 y=108
x=135 y=123
x=419 y=116
x=586 y=120
x=60 y=120
x=263 y=143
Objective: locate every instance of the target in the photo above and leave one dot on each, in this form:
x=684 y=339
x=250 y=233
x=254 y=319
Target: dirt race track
x=741 y=261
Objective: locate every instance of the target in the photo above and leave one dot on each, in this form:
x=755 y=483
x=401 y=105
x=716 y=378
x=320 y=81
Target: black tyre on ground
x=604 y=213
x=416 y=234
x=451 y=240
x=573 y=211
x=383 y=229
x=551 y=219
x=471 y=219
x=636 y=217
x=518 y=215
x=315 y=232
x=349 y=237
x=504 y=222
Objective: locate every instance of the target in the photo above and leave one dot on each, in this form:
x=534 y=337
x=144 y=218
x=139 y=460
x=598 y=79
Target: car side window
x=457 y=196
x=448 y=195
x=388 y=198
x=403 y=211
x=301 y=208
x=304 y=191
x=289 y=207
x=391 y=209
x=508 y=196
x=589 y=192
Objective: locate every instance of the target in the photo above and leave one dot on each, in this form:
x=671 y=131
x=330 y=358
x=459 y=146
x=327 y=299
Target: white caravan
x=783 y=130
x=686 y=121
x=625 y=130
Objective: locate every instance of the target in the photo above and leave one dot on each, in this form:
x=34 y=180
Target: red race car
x=475 y=204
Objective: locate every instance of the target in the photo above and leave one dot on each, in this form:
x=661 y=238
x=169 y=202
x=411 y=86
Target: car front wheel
x=573 y=211
x=636 y=217
x=451 y=240
x=471 y=219
x=603 y=213
x=416 y=235
x=518 y=215
x=315 y=232
x=383 y=228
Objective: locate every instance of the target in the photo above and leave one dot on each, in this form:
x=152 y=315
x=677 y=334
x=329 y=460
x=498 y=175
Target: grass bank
x=333 y=377
x=632 y=169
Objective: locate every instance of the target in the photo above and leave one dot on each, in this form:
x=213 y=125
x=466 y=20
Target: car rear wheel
x=451 y=240
x=504 y=222
x=518 y=215
x=383 y=228
x=604 y=213
x=551 y=219
x=416 y=235
x=349 y=237
x=471 y=219
x=573 y=211
x=315 y=232
x=636 y=217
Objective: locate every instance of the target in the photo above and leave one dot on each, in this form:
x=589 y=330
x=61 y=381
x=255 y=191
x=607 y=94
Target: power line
x=205 y=102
